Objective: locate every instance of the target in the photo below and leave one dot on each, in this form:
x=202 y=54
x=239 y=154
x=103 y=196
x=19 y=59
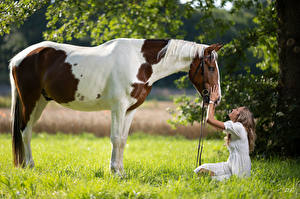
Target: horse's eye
x=212 y=69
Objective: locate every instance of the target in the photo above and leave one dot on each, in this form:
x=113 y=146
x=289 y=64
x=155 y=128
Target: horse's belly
x=89 y=105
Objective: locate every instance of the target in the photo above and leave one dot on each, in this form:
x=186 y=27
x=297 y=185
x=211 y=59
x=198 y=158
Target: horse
x=117 y=75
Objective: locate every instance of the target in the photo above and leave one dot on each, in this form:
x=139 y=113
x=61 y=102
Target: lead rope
x=205 y=98
x=200 y=143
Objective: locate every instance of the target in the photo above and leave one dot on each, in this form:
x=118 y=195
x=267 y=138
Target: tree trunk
x=287 y=120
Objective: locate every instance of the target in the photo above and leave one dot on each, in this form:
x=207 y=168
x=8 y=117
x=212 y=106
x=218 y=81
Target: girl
x=239 y=140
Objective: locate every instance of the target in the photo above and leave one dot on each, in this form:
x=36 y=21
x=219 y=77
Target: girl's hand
x=214 y=93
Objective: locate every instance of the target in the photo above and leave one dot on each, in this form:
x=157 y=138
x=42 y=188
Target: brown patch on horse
x=145 y=71
x=27 y=80
x=150 y=50
x=194 y=75
x=43 y=69
x=140 y=92
x=58 y=80
x=35 y=51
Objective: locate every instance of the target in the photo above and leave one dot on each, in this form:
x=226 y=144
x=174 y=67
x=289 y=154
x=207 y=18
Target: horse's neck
x=168 y=67
x=178 y=58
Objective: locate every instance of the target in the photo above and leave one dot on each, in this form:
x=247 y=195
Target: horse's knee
x=118 y=142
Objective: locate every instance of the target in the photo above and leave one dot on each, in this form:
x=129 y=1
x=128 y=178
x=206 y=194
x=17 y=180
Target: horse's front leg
x=121 y=121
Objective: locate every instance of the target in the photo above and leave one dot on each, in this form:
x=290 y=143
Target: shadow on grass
x=100 y=173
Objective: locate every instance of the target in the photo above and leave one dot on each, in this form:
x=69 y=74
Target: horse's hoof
x=29 y=164
x=118 y=172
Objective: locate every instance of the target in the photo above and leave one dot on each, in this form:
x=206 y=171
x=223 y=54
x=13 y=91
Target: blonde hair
x=246 y=118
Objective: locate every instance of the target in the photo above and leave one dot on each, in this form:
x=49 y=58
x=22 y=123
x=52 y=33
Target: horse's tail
x=16 y=115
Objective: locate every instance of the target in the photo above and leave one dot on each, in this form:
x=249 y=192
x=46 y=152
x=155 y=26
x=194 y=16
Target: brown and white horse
x=117 y=76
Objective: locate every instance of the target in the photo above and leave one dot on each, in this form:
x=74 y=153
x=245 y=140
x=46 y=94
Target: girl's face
x=235 y=113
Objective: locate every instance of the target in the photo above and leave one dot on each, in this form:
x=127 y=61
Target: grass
x=77 y=166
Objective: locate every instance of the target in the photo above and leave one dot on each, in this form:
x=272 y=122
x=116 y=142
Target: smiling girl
x=240 y=141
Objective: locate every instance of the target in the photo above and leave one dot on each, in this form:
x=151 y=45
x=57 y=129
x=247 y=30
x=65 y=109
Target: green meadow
x=77 y=166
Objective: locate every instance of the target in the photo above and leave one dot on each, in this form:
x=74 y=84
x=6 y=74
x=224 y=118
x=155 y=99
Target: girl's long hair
x=246 y=118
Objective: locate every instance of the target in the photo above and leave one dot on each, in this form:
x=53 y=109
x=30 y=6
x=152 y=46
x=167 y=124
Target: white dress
x=239 y=162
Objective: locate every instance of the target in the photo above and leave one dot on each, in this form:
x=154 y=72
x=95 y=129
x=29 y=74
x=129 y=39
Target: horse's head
x=204 y=72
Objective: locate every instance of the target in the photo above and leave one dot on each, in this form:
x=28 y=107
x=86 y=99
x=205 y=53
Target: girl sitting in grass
x=240 y=141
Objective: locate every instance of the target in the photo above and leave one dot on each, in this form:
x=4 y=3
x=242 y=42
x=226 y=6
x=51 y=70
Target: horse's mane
x=184 y=49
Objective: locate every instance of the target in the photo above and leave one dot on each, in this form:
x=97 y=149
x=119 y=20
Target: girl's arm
x=214 y=95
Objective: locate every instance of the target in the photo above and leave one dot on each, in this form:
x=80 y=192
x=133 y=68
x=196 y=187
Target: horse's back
x=80 y=77
x=102 y=50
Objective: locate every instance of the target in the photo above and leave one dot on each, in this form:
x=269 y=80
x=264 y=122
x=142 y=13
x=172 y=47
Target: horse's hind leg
x=27 y=132
x=27 y=104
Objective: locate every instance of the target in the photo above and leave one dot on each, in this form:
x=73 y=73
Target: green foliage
x=106 y=20
x=259 y=39
x=267 y=45
x=182 y=82
x=188 y=111
x=69 y=166
x=16 y=12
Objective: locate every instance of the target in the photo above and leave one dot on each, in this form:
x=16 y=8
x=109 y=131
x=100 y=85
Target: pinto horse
x=117 y=76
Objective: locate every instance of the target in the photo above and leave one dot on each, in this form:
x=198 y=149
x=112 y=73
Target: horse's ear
x=218 y=47
x=209 y=49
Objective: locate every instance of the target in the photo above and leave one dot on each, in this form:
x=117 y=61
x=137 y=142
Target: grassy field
x=77 y=166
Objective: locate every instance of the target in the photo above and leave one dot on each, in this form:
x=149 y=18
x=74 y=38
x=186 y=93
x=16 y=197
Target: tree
x=286 y=137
